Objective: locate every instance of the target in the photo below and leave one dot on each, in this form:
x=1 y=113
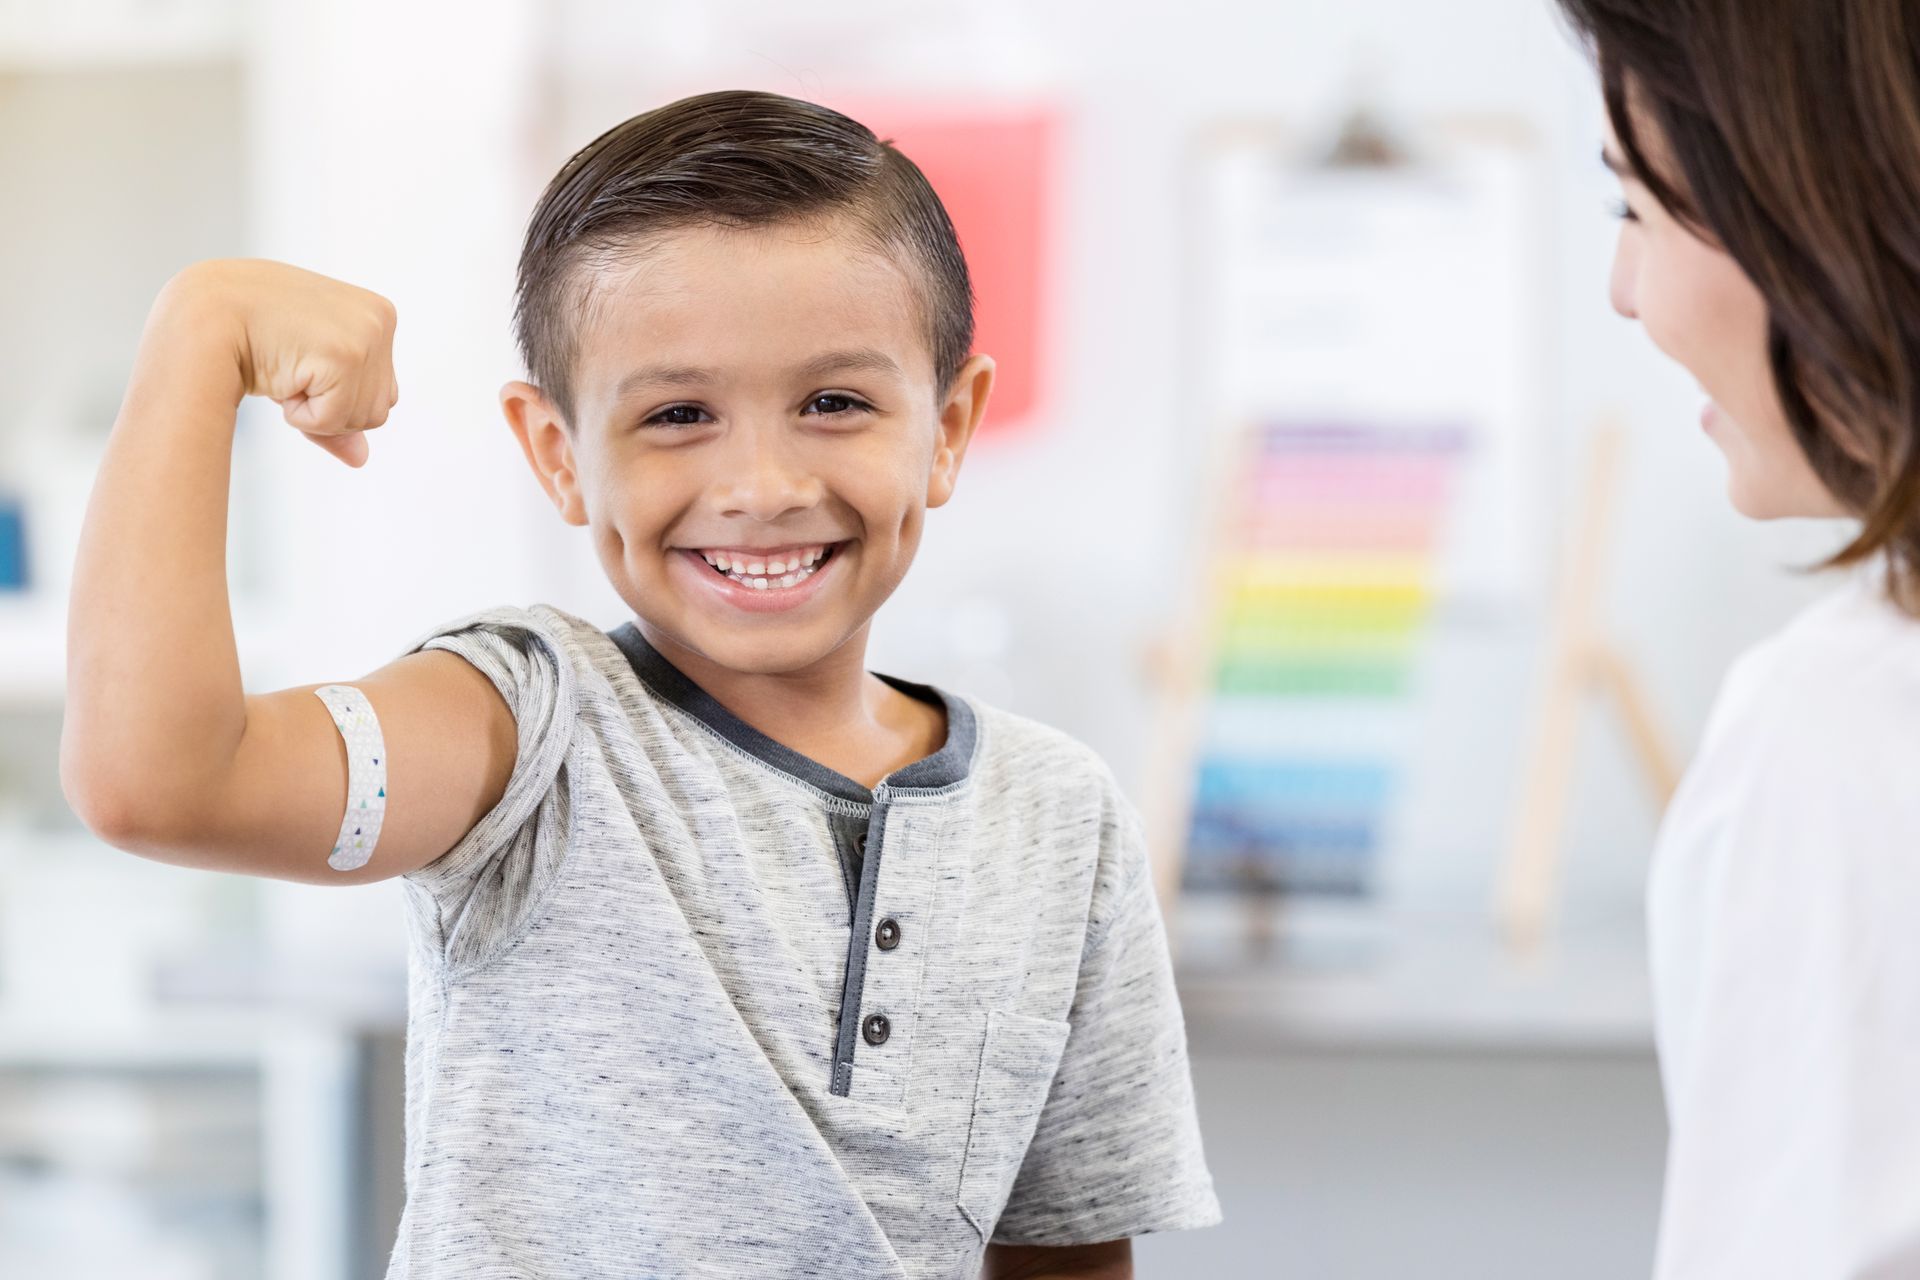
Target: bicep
x=277 y=809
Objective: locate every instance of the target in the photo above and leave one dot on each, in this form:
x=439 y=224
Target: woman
x=1769 y=156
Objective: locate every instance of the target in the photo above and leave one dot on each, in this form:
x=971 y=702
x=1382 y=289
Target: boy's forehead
x=750 y=302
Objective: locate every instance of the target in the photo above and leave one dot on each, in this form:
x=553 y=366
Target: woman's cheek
x=1663 y=311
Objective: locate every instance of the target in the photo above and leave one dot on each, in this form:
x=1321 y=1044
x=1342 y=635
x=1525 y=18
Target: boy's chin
x=769 y=648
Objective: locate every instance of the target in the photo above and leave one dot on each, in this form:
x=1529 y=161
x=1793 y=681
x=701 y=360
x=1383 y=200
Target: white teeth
x=766 y=575
x=764 y=582
x=805 y=558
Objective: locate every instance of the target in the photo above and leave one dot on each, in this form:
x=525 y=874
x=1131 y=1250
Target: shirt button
x=877 y=1029
x=860 y=842
x=887 y=936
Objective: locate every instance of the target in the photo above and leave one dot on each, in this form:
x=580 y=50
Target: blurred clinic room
x=1322 y=493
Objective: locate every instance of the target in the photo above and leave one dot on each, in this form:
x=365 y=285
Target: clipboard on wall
x=1365 y=318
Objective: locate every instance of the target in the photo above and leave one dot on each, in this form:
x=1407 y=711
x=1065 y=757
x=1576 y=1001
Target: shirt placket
x=886 y=952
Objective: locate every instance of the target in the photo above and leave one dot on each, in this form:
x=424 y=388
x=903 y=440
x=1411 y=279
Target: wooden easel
x=1580 y=661
x=1178 y=668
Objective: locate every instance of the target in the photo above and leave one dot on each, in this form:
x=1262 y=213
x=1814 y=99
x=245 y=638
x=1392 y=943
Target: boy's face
x=757 y=438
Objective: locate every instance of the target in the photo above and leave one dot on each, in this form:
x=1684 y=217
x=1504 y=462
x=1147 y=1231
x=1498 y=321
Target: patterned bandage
x=366 y=775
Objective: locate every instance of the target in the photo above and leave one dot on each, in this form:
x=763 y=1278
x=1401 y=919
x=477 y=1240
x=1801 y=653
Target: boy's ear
x=548 y=445
x=960 y=415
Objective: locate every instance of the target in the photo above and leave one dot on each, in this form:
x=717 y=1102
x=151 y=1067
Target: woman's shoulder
x=1853 y=651
x=1801 y=796
x=1833 y=694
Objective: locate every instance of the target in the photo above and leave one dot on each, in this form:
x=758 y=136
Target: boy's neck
x=834 y=712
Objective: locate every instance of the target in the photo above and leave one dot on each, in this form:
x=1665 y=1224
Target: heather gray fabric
x=644 y=987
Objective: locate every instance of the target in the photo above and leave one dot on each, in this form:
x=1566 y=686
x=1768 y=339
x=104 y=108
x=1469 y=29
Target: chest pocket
x=1017 y=1063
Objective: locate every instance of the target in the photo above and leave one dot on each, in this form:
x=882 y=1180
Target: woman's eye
x=678 y=415
x=833 y=405
x=1621 y=210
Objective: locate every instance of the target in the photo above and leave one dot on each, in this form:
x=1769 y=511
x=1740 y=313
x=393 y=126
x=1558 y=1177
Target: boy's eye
x=833 y=404
x=678 y=415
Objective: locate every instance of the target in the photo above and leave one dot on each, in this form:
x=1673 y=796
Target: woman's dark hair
x=1788 y=132
x=732 y=159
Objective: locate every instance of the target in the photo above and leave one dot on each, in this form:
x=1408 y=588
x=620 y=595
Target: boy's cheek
x=889 y=523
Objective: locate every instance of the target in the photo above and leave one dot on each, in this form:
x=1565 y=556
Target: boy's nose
x=762 y=480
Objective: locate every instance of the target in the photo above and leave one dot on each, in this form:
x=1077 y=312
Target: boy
x=729 y=958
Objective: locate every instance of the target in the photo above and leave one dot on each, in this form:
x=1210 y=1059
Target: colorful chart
x=1332 y=548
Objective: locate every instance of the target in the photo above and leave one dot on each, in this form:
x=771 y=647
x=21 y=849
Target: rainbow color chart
x=1325 y=583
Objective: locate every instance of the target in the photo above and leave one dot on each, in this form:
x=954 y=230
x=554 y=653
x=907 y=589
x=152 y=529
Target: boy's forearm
x=1110 y=1261
x=154 y=701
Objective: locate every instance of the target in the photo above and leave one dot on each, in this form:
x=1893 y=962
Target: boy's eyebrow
x=672 y=375
x=861 y=360
x=858 y=360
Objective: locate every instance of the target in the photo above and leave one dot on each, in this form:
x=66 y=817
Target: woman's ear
x=960 y=415
x=548 y=443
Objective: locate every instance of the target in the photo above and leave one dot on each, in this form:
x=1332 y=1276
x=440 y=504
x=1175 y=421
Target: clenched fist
x=319 y=348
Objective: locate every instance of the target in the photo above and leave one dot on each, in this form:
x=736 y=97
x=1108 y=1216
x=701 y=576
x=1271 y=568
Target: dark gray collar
x=948 y=765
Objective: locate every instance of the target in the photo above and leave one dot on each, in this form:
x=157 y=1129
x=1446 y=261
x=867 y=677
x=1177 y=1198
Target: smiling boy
x=729 y=957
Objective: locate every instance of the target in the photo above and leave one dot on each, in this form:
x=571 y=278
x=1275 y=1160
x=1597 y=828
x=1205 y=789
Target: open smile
x=763 y=579
x=768 y=570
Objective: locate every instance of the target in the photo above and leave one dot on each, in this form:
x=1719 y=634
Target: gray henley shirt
x=688 y=1003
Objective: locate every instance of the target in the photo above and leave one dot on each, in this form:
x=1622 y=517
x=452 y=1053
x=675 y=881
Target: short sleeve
x=1117 y=1149
x=475 y=898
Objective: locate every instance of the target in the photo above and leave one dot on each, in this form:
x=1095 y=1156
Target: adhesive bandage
x=366 y=775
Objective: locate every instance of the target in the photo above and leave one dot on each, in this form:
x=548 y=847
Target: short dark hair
x=1788 y=134
x=734 y=159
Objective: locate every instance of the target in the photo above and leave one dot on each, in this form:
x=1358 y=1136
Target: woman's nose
x=1624 y=285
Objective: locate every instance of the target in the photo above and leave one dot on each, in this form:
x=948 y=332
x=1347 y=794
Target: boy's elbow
x=82 y=786
x=107 y=813
x=90 y=801
x=113 y=811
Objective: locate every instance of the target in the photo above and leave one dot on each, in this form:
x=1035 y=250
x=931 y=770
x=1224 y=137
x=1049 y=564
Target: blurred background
x=1298 y=504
